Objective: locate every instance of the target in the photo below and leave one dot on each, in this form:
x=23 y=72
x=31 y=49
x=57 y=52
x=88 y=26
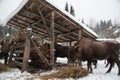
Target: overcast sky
x=96 y=9
x=86 y=9
x=6 y=8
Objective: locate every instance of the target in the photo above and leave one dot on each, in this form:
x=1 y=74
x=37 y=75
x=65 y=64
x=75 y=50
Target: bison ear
x=76 y=49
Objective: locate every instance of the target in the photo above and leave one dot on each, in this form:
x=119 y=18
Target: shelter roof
x=37 y=15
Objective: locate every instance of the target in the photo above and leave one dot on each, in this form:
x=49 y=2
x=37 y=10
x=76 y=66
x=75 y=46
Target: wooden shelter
x=49 y=22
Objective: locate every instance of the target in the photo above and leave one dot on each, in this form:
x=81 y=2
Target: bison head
x=72 y=55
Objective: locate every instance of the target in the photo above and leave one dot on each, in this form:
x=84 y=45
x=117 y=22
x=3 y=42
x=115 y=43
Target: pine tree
x=1 y=31
x=110 y=23
x=83 y=21
x=66 y=7
x=72 y=11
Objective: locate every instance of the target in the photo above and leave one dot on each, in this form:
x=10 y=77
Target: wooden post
x=70 y=43
x=52 y=39
x=79 y=37
x=26 y=50
x=79 y=34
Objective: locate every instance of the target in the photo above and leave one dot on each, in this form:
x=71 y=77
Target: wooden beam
x=34 y=14
x=19 y=22
x=44 y=22
x=35 y=32
x=55 y=23
x=17 y=25
x=35 y=22
x=62 y=27
x=21 y=27
x=37 y=29
x=59 y=12
x=24 y=17
x=37 y=35
x=70 y=43
x=69 y=32
x=26 y=51
x=13 y=25
x=19 y=19
x=43 y=58
x=52 y=40
x=79 y=34
x=27 y=10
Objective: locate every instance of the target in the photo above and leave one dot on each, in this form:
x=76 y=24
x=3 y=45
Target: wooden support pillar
x=26 y=50
x=52 y=39
x=70 y=43
x=79 y=34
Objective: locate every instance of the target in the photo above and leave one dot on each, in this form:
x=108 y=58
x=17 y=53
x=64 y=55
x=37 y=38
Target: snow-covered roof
x=8 y=10
x=86 y=29
x=105 y=39
x=109 y=40
x=75 y=19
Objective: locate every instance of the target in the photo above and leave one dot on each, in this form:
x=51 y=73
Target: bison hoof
x=90 y=72
x=118 y=74
x=108 y=72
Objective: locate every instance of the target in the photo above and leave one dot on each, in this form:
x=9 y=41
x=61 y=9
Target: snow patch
x=62 y=60
x=116 y=31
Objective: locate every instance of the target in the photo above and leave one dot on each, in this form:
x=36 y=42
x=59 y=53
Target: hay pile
x=20 y=36
x=68 y=72
x=11 y=64
x=3 y=67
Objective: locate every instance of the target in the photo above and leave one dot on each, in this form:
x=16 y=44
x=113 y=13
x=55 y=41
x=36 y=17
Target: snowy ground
x=98 y=74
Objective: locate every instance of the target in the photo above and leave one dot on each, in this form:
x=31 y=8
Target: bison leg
x=1 y=55
x=95 y=63
x=108 y=61
x=118 y=64
x=89 y=66
x=6 y=57
x=111 y=64
x=107 y=64
x=79 y=62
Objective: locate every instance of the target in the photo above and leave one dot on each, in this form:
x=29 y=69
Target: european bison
x=60 y=51
x=89 y=49
x=63 y=51
x=5 y=49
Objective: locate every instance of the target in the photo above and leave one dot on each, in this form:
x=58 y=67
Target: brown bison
x=63 y=51
x=60 y=51
x=89 y=49
x=5 y=49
